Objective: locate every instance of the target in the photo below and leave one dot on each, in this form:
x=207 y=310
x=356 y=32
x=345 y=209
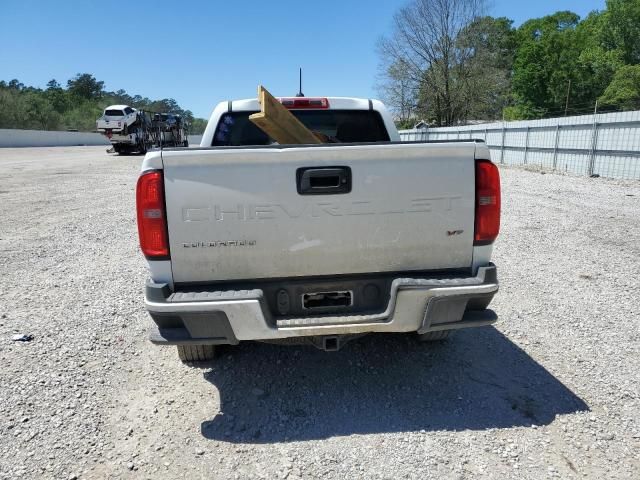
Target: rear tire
x=196 y=353
x=434 y=336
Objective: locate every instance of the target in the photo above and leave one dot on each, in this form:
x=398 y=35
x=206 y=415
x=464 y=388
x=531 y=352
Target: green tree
x=490 y=45
x=559 y=55
x=57 y=96
x=597 y=62
x=82 y=116
x=15 y=84
x=53 y=85
x=85 y=85
x=197 y=126
x=40 y=114
x=545 y=63
x=621 y=30
x=9 y=107
x=76 y=107
x=624 y=89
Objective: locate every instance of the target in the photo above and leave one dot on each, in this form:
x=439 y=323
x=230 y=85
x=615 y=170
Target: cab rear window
x=114 y=113
x=345 y=126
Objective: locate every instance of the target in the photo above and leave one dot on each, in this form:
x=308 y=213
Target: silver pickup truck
x=247 y=239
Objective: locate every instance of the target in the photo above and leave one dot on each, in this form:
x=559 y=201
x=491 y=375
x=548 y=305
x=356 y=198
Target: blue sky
x=202 y=52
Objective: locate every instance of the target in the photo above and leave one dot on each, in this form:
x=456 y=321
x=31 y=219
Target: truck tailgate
x=236 y=213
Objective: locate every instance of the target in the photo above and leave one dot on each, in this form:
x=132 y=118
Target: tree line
x=75 y=107
x=446 y=62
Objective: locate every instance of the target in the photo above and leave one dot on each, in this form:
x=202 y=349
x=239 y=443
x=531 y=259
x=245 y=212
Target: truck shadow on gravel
x=477 y=380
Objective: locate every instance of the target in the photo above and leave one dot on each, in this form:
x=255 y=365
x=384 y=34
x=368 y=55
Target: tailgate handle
x=323 y=180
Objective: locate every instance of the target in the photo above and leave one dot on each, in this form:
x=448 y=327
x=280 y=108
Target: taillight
x=152 y=217
x=303 y=102
x=487 y=225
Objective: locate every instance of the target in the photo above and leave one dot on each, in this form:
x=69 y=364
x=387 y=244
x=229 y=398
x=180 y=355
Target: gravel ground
x=551 y=391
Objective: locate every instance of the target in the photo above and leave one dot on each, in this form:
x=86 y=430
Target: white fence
x=605 y=144
x=42 y=138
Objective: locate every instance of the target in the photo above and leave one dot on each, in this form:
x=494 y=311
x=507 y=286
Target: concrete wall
x=605 y=144
x=40 y=138
x=194 y=140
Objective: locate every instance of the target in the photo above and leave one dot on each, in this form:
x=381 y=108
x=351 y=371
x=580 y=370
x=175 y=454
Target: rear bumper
x=124 y=139
x=227 y=317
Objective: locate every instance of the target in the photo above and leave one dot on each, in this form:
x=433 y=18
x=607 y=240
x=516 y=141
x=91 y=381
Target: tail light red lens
x=152 y=217
x=487 y=225
x=304 y=102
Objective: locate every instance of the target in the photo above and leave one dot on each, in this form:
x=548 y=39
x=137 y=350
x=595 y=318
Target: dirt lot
x=551 y=391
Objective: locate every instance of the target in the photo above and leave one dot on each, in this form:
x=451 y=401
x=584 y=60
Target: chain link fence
x=605 y=144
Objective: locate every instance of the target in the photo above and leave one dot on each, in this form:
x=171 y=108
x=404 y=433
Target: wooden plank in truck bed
x=279 y=123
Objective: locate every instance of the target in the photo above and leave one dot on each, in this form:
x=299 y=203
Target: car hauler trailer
x=130 y=130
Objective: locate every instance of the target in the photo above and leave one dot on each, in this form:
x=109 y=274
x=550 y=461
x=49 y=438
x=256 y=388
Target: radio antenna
x=300 y=94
